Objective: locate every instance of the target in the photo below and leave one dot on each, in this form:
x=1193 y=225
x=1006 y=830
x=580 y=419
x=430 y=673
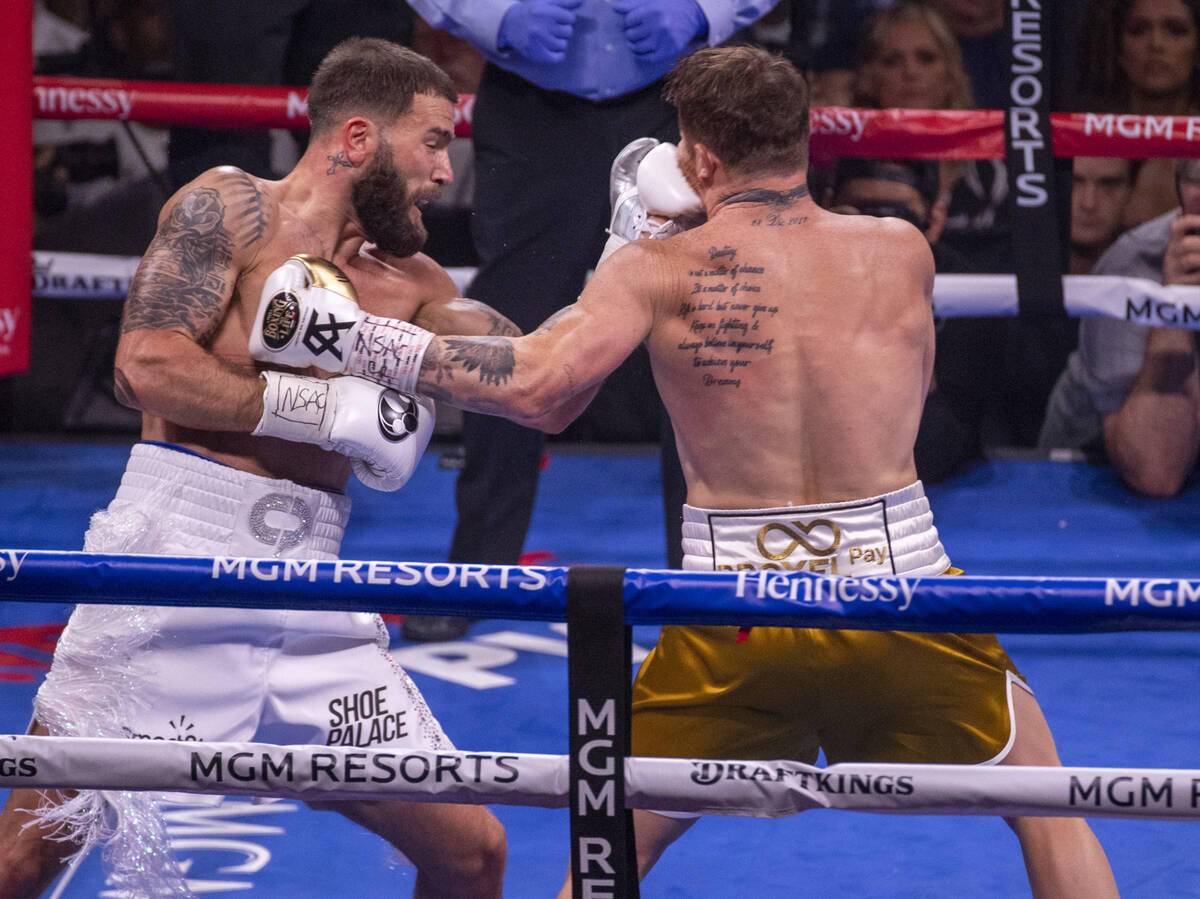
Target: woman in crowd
x=1142 y=57
x=910 y=59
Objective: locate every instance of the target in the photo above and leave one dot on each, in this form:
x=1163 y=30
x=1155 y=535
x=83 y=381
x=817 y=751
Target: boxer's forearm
x=167 y=375
x=498 y=376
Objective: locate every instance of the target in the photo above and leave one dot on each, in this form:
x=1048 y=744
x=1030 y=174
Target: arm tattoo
x=181 y=283
x=251 y=223
x=492 y=356
x=499 y=326
x=552 y=322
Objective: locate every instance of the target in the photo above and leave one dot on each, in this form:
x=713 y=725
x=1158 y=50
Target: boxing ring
x=1104 y=636
x=1118 y=698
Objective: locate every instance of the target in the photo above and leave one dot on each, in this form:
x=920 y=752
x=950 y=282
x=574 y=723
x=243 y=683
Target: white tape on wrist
x=294 y=408
x=389 y=352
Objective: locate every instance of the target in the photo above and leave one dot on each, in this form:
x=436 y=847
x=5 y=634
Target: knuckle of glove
x=392 y=432
x=277 y=321
x=661 y=186
x=306 y=315
x=623 y=174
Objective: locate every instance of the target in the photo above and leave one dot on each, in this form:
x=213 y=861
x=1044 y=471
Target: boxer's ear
x=360 y=138
x=707 y=164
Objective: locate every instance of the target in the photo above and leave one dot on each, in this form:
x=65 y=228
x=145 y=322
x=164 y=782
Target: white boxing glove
x=646 y=186
x=662 y=187
x=383 y=432
x=308 y=316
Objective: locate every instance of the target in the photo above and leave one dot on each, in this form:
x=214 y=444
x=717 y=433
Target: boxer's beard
x=382 y=203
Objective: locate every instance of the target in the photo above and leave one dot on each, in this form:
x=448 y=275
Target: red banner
x=908 y=133
x=836 y=130
x=16 y=191
x=1127 y=136
x=197 y=105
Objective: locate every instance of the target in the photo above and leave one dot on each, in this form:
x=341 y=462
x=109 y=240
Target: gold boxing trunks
x=784 y=693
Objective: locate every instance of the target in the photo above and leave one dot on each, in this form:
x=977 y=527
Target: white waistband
x=215 y=509
x=888 y=534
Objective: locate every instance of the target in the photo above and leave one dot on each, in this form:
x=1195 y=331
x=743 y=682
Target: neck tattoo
x=770 y=197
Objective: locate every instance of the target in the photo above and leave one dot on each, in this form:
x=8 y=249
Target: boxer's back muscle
x=793 y=351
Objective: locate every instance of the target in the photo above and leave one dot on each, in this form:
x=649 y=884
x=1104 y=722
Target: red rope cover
x=836 y=130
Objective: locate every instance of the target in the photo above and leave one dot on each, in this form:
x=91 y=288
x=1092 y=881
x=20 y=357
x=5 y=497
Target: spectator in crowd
x=909 y=59
x=1100 y=190
x=948 y=436
x=98 y=183
x=1142 y=57
x=979 y=27
x=281 y=43
x=903 y=188
x=1130 y=391
x=568 y=84
x=834 y=31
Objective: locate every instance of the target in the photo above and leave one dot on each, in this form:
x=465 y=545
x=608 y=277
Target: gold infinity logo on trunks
x=799 y=537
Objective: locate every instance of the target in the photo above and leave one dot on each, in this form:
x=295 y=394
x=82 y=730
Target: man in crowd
x=238 y=459
x=809 y=336
x=1100 y=188
x=1130 y=391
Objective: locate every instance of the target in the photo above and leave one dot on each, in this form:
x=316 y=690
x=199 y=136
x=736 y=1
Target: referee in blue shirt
x=568 y=84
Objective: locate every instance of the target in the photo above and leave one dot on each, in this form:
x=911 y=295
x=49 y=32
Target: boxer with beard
x=377 y=196
x=243 y=459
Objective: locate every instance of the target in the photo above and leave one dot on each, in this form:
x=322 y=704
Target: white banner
x=82 y=276
x=756 y=789
x=1137 y=300
x=88 y=276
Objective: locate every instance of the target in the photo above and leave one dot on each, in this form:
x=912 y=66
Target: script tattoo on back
x=184 y=277
x=729 y=324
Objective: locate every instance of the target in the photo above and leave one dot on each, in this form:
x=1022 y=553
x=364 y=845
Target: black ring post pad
x=603 y=851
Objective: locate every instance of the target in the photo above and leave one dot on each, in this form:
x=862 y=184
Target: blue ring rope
x=963 y=604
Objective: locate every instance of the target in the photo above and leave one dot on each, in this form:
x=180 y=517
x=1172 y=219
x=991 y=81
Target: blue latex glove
x=538 y=29
x=660 y=29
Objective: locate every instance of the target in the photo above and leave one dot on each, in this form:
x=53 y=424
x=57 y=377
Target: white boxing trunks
x=888 y=534
x=210 y=674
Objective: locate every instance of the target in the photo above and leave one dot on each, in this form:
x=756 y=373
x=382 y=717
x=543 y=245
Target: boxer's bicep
x=464 y=316
x=182 y=289
x=611 y=317
x=206 y=234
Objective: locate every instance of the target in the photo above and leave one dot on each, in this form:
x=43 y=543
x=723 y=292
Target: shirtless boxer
x=793 y=349
x=212 y=476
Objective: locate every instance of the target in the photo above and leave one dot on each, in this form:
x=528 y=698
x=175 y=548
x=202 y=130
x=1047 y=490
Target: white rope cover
x=762 y=789
x=61 y=275
x=86 y=276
